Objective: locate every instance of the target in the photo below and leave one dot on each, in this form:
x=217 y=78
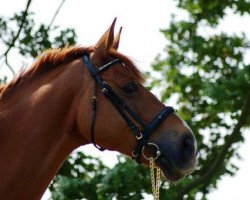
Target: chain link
x=155 y=173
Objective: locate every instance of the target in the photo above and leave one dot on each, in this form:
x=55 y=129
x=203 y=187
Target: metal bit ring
x=158 y=152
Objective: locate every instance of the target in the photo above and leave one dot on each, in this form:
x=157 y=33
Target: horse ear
x=106 y=41
x=117 y=39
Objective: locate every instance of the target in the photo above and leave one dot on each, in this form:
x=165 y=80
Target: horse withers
x=79 y=95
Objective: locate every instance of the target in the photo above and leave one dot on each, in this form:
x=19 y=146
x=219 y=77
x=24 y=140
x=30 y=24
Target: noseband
x=125 y=111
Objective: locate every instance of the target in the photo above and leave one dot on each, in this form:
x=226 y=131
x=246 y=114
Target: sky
x=142 y=41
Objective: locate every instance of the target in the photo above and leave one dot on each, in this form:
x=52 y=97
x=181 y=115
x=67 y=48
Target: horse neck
x=38 y=131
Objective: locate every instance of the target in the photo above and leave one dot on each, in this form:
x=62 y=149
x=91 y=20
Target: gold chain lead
x=155 y=173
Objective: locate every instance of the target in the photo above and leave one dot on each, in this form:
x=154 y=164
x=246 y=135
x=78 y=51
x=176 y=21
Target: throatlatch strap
x=92 y=124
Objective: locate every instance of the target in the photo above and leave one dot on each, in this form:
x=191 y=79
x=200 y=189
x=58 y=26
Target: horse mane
x=2 y=86
x=53 y=58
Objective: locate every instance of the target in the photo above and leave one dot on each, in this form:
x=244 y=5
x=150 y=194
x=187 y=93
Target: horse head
x=127 y=118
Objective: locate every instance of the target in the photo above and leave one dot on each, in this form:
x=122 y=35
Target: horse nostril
x=188 y=146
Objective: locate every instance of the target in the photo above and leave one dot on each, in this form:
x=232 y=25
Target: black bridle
x=124 y=110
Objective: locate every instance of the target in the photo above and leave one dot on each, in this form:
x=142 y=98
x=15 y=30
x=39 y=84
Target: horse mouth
x=168 y=170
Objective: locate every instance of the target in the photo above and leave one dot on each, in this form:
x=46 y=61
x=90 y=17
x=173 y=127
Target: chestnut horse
x=64 y=101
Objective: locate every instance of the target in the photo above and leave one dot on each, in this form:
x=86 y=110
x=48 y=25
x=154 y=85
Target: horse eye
x=130 y=88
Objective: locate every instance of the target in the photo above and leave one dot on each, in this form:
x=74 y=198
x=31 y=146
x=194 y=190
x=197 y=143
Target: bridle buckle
x=135 y=155
x=104 y=90
x=139 y=136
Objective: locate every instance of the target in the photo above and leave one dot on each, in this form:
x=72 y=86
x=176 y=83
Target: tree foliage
x=86 y=177
x=20 y=32
x=206 y=73
x=213 y=11
x=211 y=80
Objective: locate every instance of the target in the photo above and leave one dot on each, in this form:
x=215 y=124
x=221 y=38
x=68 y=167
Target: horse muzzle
x=174 y=161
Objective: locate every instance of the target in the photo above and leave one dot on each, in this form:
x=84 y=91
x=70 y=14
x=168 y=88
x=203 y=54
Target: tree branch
x=8 y=65
x=221 y=157
x=5 y=54
x=56 y=13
